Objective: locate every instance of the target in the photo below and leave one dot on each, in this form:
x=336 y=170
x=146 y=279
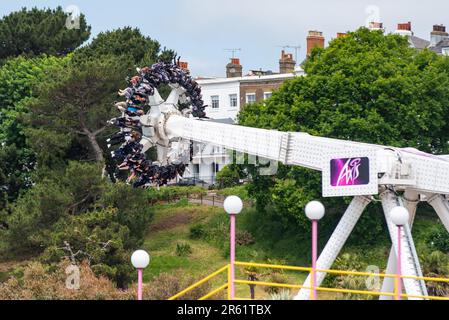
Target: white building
x=224 y=98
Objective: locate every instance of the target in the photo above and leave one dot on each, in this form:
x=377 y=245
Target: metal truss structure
x=400 y=176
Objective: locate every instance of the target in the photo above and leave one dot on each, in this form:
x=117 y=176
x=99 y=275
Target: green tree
x=36 y=31
x=367 y=87
x=33 y=215
x=75 y=210
x=18 y=78
x=121 y=42
x=95 y=236
x=80 y=102
x=229 y=176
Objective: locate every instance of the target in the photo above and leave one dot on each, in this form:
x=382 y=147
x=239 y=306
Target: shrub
x=166 y=285
x=244 y=238
x=275 y=278
x=240 y=191
x=229 y=176
x=38 y=281
x=347 y=262
x=438 y=240
x=197 y=231
x=436 y=264
x=170 y=193
x=282 y=295
x=353 y=283
x=183 y=249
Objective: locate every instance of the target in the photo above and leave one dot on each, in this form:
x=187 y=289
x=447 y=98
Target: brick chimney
x=183 y=65
x=404 y=29
x=375 y=26
x=286 y=63
x=314 y=39
x=438 y=34
x=234 y=68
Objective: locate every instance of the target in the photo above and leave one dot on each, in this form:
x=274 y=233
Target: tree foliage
x=124 y=42
x=229 y=176
x=77 y=211
x=81 y=100
x=36 y=31
x=18 y=79
x=366 y=87
x=54 y=111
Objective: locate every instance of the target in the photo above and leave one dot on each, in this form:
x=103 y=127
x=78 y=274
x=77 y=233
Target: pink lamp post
x=233 y=206
x=140 y=260
x=314 y=211
x=399 y=216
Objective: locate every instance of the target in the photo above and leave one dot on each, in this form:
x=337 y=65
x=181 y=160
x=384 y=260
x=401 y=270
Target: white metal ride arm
x=409 y=257
x=400 y=167
x=411 y=200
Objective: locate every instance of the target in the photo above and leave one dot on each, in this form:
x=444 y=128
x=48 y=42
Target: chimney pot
x=405 y=26
x=183 y=65
x=286 y=63
x=314 y=39
x=438 y=34
x=376 y=25
x=234 y=68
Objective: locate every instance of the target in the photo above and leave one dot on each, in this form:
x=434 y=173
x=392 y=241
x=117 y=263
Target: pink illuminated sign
x=349 y=171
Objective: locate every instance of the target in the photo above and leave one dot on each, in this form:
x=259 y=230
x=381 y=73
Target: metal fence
x=227 y=285
x=212 y=199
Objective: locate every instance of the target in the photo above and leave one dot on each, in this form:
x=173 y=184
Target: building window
x=445 y=51
x=267 y=95
x=233 y=100
x=250 y=98
x=215 y=101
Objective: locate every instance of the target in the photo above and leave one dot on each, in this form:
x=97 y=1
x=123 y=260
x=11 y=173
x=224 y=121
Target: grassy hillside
x=175 y=223
x=188 y=241
x=172 y=226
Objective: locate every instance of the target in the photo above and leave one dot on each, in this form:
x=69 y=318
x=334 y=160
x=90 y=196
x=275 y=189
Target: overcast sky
x=200 y=30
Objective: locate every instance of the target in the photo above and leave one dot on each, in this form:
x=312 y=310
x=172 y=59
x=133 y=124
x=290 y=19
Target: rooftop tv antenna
x=233 y=50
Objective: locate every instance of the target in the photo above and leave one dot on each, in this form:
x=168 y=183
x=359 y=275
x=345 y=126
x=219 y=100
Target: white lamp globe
x=399 y=215
x=314 y=210
x=233 y=205
x=140 y=259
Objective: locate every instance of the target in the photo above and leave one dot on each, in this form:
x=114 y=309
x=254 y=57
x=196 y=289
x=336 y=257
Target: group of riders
x=129 y=155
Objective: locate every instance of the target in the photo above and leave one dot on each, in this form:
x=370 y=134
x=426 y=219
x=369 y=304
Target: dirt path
x=172 y=221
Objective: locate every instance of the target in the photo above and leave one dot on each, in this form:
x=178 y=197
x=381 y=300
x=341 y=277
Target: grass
x=207 y=255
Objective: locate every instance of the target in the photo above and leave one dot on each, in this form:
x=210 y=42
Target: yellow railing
x=306 y=269
x=204 y=280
